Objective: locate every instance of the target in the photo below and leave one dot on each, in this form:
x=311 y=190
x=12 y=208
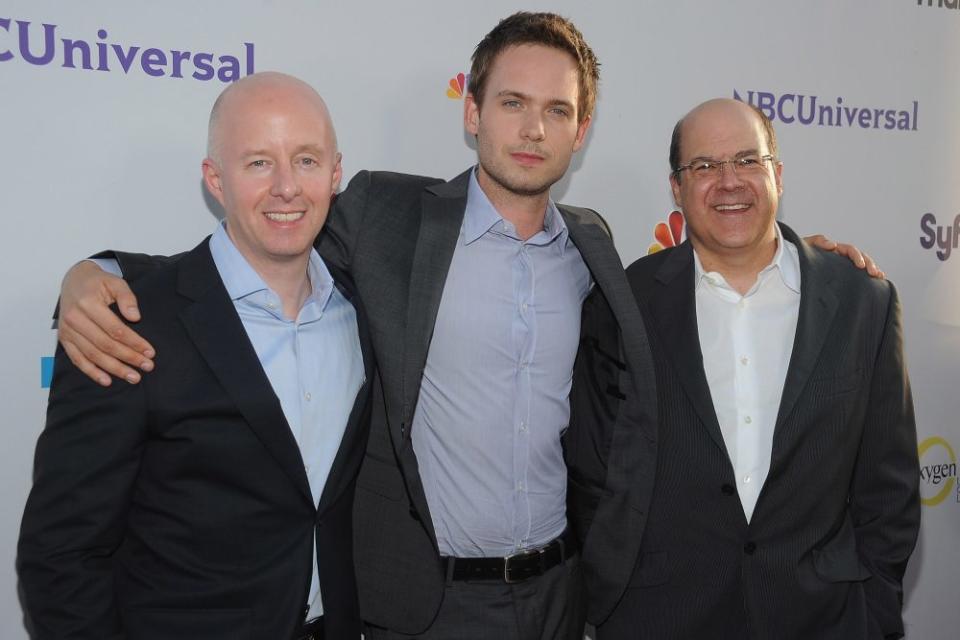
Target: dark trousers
x=547 y=607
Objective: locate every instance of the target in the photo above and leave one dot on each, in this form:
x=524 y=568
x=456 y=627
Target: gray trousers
x=548 y=607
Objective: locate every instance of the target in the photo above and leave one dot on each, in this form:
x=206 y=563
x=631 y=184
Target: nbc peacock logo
x=457 y=87
x=667 y=234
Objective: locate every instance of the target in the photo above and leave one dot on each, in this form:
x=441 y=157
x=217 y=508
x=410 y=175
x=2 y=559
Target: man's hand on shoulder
x=859 y=258
x=94 y=338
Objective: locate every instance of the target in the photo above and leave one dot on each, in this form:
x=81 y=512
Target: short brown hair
x=770 y=134
x=547 y=29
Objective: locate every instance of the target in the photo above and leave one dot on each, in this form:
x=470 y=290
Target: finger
x=85 y=366
x=104 y=361
x=105 y=352
x=127 y=344
x=822 y=242
x=872 y=267
x=117 y=289
x=852 y=253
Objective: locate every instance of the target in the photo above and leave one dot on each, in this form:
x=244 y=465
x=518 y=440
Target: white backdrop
x=110 y=157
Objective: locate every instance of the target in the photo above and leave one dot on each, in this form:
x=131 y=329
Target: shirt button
x=523 y=426
x=748 y=420
x=727 y=490
x=744 y=360
x=749 y=548
x=746 y=479
x=524 y=306
x=270 y=305
x=523 y=365
x=307 y=396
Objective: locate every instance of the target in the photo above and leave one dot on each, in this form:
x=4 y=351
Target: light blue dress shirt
x=494 y=399
x=313 y=362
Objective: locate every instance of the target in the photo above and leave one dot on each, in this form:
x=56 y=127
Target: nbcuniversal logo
x=458 y=85
x=667 y=234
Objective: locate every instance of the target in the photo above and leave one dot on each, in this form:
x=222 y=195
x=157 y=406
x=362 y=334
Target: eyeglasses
x=709 y=169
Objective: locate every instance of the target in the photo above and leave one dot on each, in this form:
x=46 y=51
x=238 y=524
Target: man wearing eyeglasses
x=783 y=499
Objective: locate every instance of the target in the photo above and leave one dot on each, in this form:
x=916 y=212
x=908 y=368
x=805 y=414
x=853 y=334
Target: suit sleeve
x=86 y=463
x=338 y=239
x=884 y=499
x=136 y=265
x=594 y=403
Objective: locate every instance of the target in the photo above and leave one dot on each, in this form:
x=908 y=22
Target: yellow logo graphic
x=940 y=470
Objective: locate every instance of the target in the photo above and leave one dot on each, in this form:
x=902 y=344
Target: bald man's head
x=676 y=140
x=263 y=86
x=273 y=165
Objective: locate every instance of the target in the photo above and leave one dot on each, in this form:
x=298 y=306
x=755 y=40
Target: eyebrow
x=555 y=102
x=313 y=148
x=738 y=154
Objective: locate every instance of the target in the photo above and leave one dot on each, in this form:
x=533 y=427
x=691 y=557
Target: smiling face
x=274 y=167
x=527 y=127
x=731 y=216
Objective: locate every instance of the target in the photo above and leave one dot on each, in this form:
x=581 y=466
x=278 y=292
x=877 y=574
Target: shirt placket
x=524 y=336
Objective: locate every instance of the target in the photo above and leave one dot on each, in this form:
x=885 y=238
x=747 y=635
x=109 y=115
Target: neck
x=739 y=268
x=288 y=279
x=525 y=212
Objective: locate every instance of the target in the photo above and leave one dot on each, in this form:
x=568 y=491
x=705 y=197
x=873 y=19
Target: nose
x=533 y=129
x=728 y=176
x=285 y=182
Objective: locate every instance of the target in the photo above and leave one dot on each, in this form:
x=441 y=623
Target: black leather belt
x=516 y=568
x=312 y=630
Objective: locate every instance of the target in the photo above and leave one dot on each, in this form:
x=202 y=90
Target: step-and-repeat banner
x=103 y=109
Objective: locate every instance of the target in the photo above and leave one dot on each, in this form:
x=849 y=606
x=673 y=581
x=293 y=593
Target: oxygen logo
x=938 y=471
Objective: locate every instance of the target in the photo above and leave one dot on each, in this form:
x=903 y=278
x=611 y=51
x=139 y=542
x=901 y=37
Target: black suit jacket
x=824 y=554
x=180 y=507
x=396 y=235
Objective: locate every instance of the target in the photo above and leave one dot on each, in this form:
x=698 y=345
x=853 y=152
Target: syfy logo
x=40 y=46
x=789 y=108
x=944 y=238
x=942 y=4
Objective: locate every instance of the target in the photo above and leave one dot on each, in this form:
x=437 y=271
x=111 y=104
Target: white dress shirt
x=746 y=343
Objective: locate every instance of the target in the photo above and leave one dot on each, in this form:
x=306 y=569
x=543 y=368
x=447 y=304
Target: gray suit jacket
x=396 y=235
x=824 y=554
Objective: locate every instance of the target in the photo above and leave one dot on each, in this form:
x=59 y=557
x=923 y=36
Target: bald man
x=214 y=500
x=782 y=501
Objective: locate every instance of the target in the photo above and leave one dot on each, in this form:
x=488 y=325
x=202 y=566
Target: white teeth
x=731 y=207
x=284 y=217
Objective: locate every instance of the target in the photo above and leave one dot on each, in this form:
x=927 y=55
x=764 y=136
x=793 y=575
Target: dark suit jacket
x=179 y=507
x=825 y=551
x=396 y=235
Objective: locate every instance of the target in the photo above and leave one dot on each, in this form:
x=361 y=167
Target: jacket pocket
x=837 y=559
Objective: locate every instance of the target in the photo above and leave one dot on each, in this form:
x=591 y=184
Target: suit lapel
x=215 y=328
x=818 y=307
x=598 y=253
x=354 y=436
x=675 y=313
x=442 y=213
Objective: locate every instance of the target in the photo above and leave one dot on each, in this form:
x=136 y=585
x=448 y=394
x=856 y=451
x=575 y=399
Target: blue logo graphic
x=46 y=371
